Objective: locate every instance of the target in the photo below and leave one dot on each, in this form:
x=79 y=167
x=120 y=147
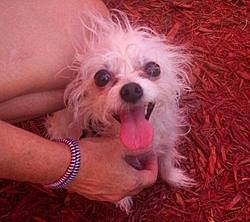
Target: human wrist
x=73 y=167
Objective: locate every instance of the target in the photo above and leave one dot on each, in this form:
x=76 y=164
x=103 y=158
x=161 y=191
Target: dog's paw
x=177 y=177
x=125 y=204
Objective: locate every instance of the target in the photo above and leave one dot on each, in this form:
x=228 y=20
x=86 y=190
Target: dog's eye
x=152 y=69
x=102 y=77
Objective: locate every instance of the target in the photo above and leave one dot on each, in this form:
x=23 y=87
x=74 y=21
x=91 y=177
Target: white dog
x=129 y=75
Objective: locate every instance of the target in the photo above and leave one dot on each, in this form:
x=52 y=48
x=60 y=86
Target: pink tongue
x=136 y=132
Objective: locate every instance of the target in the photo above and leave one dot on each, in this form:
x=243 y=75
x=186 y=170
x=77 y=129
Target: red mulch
x=218 y=147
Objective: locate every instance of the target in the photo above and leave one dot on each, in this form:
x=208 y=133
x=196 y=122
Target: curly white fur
x=114 y=45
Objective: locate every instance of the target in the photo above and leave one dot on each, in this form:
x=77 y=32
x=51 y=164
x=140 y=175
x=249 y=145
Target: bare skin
x=37 y=43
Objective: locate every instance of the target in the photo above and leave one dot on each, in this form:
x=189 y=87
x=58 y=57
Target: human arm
x=27 y=157
x=38 y=42
x=104 y=174
x=31 y=105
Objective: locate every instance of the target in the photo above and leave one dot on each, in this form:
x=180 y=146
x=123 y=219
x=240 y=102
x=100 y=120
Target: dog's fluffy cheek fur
x=84 y=102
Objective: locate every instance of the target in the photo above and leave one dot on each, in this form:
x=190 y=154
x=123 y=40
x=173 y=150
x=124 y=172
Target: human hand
x=105 y=175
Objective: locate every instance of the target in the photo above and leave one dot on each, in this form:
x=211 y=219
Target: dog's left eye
x=152 y=69
x=102 y=77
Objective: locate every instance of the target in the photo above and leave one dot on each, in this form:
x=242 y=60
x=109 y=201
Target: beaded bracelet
x=73 y=167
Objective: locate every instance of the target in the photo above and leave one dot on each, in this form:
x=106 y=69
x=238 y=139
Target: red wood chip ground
x=217 y=34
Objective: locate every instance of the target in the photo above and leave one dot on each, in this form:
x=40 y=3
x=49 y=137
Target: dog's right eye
x=102 y=77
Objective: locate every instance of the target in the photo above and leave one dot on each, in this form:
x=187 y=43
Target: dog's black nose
x=131 y=92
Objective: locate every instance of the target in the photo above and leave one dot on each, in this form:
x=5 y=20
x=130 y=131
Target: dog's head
x=123 y=73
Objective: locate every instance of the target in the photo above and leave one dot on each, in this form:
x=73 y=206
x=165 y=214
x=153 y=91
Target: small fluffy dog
x=128 y=84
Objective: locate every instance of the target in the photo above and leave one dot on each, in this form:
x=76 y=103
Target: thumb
x=149 y=174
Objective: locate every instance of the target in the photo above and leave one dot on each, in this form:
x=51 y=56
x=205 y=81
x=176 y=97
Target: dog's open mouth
x=136 y=131
x=149 y=110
